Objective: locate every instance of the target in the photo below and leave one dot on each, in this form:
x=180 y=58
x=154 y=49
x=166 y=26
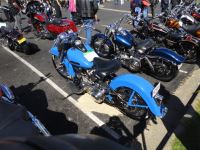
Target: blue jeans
x=137 y=11
x=88 y=23
x=145 y=12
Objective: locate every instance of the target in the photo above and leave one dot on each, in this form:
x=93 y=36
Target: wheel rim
x=189 y=51
x=102 y=50
x=125 y=93
x=162 y=68
x=60 y=67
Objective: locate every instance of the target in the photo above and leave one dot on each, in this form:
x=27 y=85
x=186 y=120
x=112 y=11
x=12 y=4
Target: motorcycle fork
x=149 y=63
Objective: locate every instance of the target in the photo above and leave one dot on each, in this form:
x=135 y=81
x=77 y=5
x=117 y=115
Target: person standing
x=87 y=10
x=152 y=6
x=16 y=8
x=72 y=9
x=164 y=5
x=174 y=3
x=57 y=6
x=135 y=7
x=145 y=5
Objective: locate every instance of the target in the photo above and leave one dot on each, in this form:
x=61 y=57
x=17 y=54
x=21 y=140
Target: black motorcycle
x=164 y=35
x=136 y=55
x=14 y=40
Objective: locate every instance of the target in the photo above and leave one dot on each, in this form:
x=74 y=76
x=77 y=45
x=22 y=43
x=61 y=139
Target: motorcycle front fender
x=168 y=55
x=54 y=51
x=141 y=86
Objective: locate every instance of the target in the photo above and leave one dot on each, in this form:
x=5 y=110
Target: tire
x=26 y=48
x=163 y=69
x=133 y=112
x=102 y=47
x=11 y=45
x=60 y=68
x=190 y=51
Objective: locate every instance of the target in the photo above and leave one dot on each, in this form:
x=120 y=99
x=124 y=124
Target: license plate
x=155 y=90
x=21 y=40
x=179 y=66
x=90 y=55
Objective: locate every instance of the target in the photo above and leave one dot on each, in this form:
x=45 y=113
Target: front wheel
x=163 y=69
x=103 y=47
x=125 y=97
x=60 y=68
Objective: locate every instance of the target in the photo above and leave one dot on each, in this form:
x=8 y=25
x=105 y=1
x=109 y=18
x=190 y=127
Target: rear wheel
x=163 y=69
x=190 y=51
x=125 y=95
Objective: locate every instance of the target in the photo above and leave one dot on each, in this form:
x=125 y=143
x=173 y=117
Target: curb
x=179 y=129
x=157 y=135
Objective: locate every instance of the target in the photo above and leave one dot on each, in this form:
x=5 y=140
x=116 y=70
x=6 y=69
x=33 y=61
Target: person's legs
x=152 y=10
x=88 y=23
x=18 y=22
x=137 y=11
x=164 y=5
x=145 y=12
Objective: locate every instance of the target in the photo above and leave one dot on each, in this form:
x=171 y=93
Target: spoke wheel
x=101 y=47
x=163 y=70
x=190 y=51
x=123 y=95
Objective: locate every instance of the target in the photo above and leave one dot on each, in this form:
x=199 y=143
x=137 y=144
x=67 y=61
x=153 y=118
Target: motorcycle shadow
x=36 y=102
x=119 y=133
x=33 y=48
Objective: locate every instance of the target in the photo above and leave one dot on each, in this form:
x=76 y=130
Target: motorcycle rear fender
x=54 y=51
x=168 y=54
x=139 y=85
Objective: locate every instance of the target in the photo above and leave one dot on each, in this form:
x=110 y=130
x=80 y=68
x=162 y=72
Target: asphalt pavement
x=45 y=97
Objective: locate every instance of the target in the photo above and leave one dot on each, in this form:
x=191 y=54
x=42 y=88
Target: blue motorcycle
x=131 y=94
x=136 y=55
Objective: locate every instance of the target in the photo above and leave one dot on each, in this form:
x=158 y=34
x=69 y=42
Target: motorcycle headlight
x=78 y=42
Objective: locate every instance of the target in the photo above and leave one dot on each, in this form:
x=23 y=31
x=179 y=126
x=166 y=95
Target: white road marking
x=64 y=94
x=183 y=71
x=115 y=10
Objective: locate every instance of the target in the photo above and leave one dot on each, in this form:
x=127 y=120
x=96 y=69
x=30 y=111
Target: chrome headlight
x=78 y=42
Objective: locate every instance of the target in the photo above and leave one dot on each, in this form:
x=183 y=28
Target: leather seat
x=55 y=21
x=105 y=66
x=191 y=28
x=144 y=45
x=174 y=35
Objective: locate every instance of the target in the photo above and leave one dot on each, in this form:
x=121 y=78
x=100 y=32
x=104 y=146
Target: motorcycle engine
x=131 y=62
x=92 y=85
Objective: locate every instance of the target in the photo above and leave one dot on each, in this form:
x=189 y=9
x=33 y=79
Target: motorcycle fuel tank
x=81 y=59
x=124 y=38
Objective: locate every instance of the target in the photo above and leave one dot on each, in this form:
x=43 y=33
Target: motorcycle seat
x=175 y=35
x=144 y=45
x=105 y=66
x=55 y=21
x=191 y=28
